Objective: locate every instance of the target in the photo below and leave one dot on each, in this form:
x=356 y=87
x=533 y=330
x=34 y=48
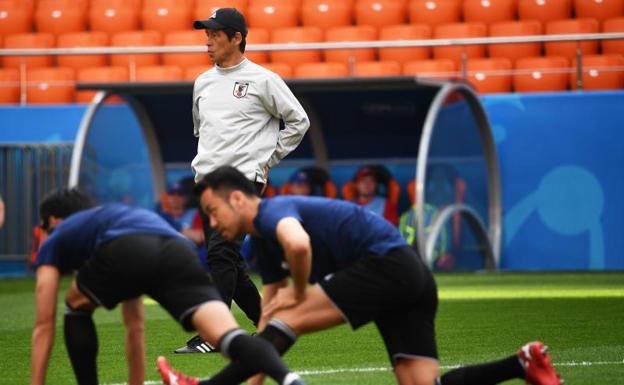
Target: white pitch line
x=322 y=372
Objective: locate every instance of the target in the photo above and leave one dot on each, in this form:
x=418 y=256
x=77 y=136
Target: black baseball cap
x=224 y=18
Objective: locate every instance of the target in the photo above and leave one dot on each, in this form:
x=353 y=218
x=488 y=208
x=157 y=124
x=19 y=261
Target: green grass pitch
x=481 y=317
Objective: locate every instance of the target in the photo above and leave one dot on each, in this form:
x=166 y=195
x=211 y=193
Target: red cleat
x=171 y=376
x=537 y=365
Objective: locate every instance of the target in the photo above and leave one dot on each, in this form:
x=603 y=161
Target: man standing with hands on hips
x=237 y=109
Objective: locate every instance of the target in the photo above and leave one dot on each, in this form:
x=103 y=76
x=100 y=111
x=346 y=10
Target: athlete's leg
x=80 y=335
x=416 y=371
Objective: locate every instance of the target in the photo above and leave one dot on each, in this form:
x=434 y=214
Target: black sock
x=82 y=345
x=485 y=374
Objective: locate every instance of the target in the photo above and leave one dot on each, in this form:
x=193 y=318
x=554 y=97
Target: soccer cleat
x=537 y=365
x=171 y=376
x=195 y=345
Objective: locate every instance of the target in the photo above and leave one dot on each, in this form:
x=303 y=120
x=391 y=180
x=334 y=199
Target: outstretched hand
x=285 y=298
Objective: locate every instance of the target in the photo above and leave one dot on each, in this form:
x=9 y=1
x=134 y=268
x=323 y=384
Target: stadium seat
x=159 y=74
x=600 y=72
x=541 y=74
x=489 y=11
x=321 y=70
x=15 y=18
x=113 y=16
x=100 y=75
x=296 y=35
x=544 y=10
x=50 y=85
x=166 y=15
x=82 y=39
x=380 y=13
x=9 y=86
x=185 y=60
x=515 y=28
x=571 y=26
x=377 y=69
x=350 y=34
x=284 y=70
x=208 y=7
x=28 y=40
x=257 y=36
x=59 y=17
x=613 y=46
x=326 y=13
x=136 y=39
x=437 y=68
x=490 y=75
x=459 y=30
x=434 y=12
x=272 y=15
x=191 y=73
x=405 y=32
x=598 y=9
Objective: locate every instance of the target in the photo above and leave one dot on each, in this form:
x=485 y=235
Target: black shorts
x=397 y=292
x=165 y=268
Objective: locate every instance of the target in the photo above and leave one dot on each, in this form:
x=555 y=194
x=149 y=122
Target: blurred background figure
x=311 y=181
x=374 y=188
x=177 y=208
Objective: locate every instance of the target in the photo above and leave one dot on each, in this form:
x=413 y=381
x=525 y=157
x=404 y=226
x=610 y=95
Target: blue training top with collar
x=340 y=234
x=75 y=239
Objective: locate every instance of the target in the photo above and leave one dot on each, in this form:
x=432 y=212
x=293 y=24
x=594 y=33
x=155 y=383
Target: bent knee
x=417 y=371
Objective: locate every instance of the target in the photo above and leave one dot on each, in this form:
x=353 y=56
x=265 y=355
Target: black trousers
x=229 y=272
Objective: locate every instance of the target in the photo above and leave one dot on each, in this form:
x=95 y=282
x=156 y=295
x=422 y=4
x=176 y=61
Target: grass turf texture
x=481 y=317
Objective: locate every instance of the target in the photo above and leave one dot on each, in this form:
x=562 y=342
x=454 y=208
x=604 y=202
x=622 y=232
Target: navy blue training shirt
x=74 y=240
x=340 y=233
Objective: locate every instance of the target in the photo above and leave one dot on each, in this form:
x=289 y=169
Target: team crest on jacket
x=240 y=89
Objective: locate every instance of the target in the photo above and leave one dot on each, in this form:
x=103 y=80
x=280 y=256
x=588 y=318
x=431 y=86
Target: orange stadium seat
x=350 y=34
x=296 y=35
x=434 y=12
x=50 y=85
x=100 y=75
x=613 y=46
x=600 y=72
x=544 y=10
x=9 y=86
x=257 y=36
x=113 y=16
x=191 y=73
x=185 y=60
x=212 y=5
x=284 y=70
x=159 y=74
x=377 y=69
x=571 y=26
x=490 y=75
x=15 y=18
x=59 y=17
x=321 y=70
x=273 y=14
x=28 y=40
x=436 y=68
x=515 y=28
x=82 y=39
x=166 y=15
x=405 y=32
x=459 y=30
x=136 y=39
x=326 y=13
x=541 y=74
x=598 y=9
x=380 y=13
x=489 y=11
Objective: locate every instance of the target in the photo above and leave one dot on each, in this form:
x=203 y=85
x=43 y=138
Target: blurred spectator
x=367 y=192
x=300 y=184
x=175 y=210
x=1 y=212
x=312 y=181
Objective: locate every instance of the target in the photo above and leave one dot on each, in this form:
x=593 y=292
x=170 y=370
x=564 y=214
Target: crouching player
x=121 y=253
x=364 y=272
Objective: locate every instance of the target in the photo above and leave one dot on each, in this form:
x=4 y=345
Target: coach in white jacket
x=237 y=108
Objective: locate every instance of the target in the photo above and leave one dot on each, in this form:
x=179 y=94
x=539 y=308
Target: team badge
x=240 y=89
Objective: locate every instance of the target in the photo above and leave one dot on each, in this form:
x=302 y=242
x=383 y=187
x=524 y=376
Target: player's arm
x=133 y=316
x=46 y=290
x=269 y=291
x=296 y=244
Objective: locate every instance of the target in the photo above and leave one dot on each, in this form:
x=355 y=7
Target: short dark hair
x=62 y=203
x=224 y=180
x=230 y=32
